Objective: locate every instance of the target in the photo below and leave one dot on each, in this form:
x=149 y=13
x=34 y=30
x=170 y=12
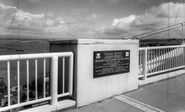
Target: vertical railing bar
x=153 y=69
x=166 y=65
x=162 y=54
x=164 y=60
x=170 y=58
x=142 y=62
x=36 y=71
x=154 y=64
x=145 y=65
x=180 y=62
x=176 y=57
x=149 y=59
x=181 y=59
x=184 y=55
x=44 y=78
x=146 y=60
x=63 y=75
x=18 y=82
x=167 y=59
x=27 y=74
x=141 y=54
x=8 y=81
x=160 y=59
x=71 y=74
x=180 y=56
x=153 y=60
x=139 y=63
x=157 y=60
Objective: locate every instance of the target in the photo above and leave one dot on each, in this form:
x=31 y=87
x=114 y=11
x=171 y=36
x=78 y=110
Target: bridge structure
x=80 y=72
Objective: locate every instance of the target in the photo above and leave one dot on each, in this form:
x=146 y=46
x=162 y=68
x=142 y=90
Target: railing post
x=54 y=80
x=71 y=74
x=144 y=64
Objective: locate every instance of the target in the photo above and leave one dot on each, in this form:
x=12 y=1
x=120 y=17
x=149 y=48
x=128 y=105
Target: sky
x=89 y=18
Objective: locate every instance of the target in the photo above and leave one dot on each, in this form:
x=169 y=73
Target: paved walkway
x=164 y=96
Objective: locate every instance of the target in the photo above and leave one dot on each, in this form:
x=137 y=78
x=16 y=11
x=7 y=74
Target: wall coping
x=93 y=41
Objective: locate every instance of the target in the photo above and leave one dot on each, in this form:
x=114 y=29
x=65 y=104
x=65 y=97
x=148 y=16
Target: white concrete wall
x=89 y=89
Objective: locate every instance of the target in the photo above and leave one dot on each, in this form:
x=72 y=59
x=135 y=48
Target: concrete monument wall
x=103 y=67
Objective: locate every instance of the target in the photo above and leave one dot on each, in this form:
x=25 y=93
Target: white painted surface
x=89 y=89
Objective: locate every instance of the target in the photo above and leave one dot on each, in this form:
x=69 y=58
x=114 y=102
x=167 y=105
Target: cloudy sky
x=88 y=18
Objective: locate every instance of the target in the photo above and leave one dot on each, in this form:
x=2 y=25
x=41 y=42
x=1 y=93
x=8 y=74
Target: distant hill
x=160 y=42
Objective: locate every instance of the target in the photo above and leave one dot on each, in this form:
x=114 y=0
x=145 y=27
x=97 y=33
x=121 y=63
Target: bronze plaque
x=111 y=62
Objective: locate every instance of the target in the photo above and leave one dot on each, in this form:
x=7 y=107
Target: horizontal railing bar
x=63 y=94
x=161 y=47
x=24 y=104
x=34 y=56
x=171 y=69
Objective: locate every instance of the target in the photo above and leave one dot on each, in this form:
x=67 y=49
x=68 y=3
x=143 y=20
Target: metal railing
x=26 y=70
x=155 y=60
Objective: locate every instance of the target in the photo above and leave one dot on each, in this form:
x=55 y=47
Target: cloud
x=94 y=16
x=82 y=23
x=34 y=1
x=123 y=23
x=107 y=1
x=12 y=20
x=155 y=17
x=6 y=13
x=113 y=1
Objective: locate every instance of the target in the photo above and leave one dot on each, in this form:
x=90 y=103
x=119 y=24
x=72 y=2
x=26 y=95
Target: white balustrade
x=48 y=60
x=155 y=60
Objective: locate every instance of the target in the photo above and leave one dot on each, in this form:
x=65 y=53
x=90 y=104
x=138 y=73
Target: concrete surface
x=109 y=105
x=167 y=95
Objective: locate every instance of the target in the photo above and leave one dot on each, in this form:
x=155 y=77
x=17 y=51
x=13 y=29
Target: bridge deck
x=167 y=95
